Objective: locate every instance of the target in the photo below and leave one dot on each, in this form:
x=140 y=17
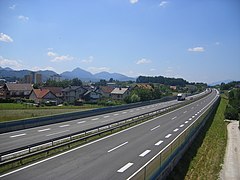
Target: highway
x=119 y=155
x=15 y=139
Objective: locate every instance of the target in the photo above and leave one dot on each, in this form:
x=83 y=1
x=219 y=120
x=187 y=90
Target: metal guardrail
x=45 y=146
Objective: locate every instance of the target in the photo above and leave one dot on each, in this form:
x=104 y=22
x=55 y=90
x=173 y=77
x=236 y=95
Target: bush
x=231 y=113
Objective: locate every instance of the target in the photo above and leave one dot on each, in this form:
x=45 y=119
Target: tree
x=76 y=82
x=231 y=113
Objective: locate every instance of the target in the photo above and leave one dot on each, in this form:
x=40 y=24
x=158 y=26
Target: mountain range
x=11 y=75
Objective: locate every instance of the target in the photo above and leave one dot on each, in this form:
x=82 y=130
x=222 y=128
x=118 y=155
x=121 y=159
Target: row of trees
x=233 y=108
x=162 y=80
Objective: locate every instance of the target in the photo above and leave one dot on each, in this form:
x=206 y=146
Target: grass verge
x=206 y=155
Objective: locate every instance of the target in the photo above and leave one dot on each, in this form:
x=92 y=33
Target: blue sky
x=196 y=40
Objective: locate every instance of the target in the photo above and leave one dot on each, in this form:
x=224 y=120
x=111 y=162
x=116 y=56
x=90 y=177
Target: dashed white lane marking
x=124 y=168
x=65 y=125
x=175 y=130
x=168 y=136
x=42 y=130
x=186 y=122
x=145 y=153
x=118 y=146
x=94 y=119
x=184 y=112
x=174 y=117
x=158 y=143
x=196 y=114
x=155 y=128
x=105 y=116
x=181 y=125
x=116 y=114
x=57 y=133
x=190 y=119
x=18 y=135
x=80 y=122
x=193 y=117
x=124 y=112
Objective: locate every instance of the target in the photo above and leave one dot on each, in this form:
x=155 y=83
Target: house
x=143 y=86
x=15 y=90
x=73 y=93
x=105 y=91
x=119 y=93
x=55 y=90
x=43 y=95
x=91 y=96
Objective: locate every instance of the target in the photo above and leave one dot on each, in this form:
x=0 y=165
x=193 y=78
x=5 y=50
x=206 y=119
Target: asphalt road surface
x=119 y=155
x=15 y=139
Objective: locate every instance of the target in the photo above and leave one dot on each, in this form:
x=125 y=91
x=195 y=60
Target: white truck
x=181 y=96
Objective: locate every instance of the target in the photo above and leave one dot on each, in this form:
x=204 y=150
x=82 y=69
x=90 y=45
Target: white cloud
x=88 y=60
x=163 y=3
x=23 y=18
x=51 y=54
x=143 y=61
x=152 y=69
x=196 y=49
x=10 y=63
x=62 y=58
x=5 y=38
x=98 y=69
x=12 y=7
x=133 y=1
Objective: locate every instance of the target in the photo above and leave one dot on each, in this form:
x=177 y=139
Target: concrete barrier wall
x=163 y=163
x=40 y=121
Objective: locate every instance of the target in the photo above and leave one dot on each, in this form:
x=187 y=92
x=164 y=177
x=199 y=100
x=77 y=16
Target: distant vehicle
x=181 y=97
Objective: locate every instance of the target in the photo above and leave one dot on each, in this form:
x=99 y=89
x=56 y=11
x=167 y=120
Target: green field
x=16 y=111
x=204 y=158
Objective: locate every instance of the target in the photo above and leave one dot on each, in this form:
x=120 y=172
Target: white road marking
x=185 y=112
x=94 y=119
x=181 y=125
x=186 y=122
x=196 y=114
x=168 y=136
x=145 y=153
x=124 y=168
x=190 y=119
x=42 y=130
x=117 y=147
x=193 y=117
x=158 y=143
x=105 y=116
x=116 y=114
x=124 y=112
x=192 y=108
x=80 y=122
x=66 y=125
x=57 y=133
x=155 y=128
x=174 y=117
x=175 y=130
x=18 y=135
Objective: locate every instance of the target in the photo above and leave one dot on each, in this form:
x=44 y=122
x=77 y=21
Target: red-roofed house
x=105 y=91
x=42 y=96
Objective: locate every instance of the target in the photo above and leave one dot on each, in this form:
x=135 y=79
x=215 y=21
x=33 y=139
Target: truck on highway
x=181 y=96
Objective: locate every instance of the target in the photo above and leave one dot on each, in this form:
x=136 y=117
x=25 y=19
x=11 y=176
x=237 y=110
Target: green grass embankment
x=205 y=156
x=16 y=111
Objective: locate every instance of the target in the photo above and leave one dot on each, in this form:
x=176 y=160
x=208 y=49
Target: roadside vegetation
x=204 y=158
x=15 y=111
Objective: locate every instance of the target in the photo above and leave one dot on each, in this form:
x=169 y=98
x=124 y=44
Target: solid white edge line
x=125 y=167
x=74 y=149
x=130 y=177
x=145 y=153
x=117 y=147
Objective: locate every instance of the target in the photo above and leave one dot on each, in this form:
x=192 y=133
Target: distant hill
x=219 y=82
x=12 y=75
x=115 y=76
